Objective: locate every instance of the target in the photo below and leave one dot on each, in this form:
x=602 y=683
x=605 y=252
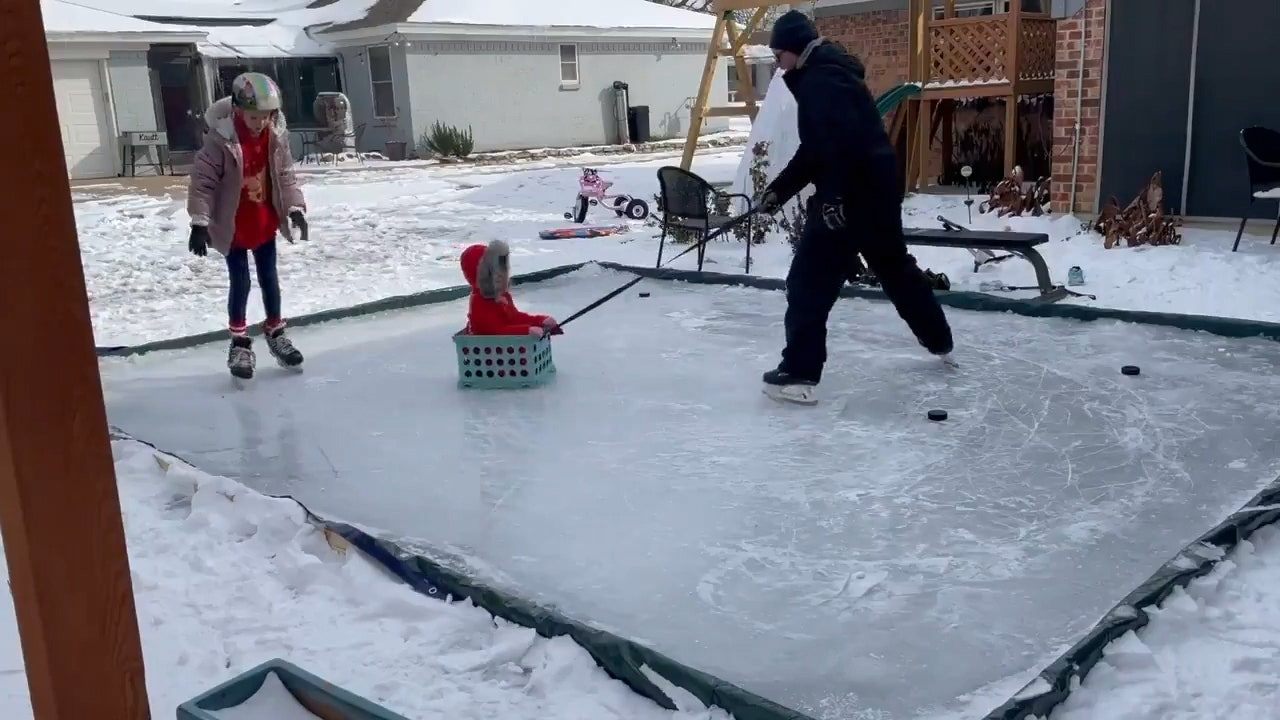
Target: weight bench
x=1018 y=244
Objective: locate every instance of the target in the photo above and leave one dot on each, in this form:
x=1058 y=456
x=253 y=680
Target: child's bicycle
x=594 y=190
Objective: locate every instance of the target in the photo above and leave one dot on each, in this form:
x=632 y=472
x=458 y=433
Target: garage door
x=82 y=115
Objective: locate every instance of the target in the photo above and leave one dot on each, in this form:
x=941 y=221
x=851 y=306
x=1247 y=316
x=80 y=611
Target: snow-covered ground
x=226 y=578
x=393 y=230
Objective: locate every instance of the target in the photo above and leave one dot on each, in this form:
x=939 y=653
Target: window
x=300 y=79
x=384 y=93
x=733 y=83
x=569 y=65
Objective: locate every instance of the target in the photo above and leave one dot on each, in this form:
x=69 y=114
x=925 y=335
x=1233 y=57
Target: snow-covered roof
x=284 y=33
x=71 y=21
x=547 y=17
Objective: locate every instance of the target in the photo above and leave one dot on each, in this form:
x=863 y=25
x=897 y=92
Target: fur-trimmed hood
x=481 y=266
x=220 y=117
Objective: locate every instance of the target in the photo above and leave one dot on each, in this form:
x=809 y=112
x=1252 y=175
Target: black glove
x=199 y=242
x=768 y=202
x=299 y=221
x=833 y=214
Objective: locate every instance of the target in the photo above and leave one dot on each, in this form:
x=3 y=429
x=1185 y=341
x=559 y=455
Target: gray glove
x=768 y=203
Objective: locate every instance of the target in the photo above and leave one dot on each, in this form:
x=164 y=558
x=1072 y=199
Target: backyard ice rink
x=825 y=558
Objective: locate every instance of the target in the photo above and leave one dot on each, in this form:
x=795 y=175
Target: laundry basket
x=503 y=361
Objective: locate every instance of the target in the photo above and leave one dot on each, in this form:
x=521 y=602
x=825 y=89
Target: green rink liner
x=396 y=302
x=1052 y=686
x=622 y=659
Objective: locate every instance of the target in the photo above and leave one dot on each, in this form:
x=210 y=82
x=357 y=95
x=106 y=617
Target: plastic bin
x=638 y=123
x=503 y=361
x=321 y=698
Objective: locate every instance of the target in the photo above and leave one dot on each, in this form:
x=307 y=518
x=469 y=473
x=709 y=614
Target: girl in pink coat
x=243 y=192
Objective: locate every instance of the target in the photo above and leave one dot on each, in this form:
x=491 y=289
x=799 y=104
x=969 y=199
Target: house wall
x=1084 y=33
x=355 y=81
x=522 y=103
x=135 y=106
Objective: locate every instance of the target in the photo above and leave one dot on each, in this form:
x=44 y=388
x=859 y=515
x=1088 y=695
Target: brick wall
x=1089 y=22
x=879 y=39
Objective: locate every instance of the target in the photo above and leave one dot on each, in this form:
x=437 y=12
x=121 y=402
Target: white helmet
x=255 y=91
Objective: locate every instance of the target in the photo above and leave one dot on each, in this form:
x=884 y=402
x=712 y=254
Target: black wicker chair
x=1262 y=153
x=687 y=202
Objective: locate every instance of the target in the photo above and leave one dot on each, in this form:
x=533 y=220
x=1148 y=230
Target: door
x=82 y=117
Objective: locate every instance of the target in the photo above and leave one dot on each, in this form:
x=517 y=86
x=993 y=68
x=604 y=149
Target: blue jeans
x=264 y=259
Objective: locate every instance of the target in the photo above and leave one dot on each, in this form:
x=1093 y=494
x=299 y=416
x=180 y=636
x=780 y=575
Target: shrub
x=445 y=141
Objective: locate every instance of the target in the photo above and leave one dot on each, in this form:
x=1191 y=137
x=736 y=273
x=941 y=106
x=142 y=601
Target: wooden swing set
x=1005 y=53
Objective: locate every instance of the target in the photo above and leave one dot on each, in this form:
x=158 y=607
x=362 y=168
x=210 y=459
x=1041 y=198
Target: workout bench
x=1022 y=245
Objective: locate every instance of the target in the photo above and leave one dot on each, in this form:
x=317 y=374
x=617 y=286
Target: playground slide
x=894 y=96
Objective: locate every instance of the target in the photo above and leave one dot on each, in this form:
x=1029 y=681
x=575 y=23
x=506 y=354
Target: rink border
x=395 y=302
x=620 y=658
x=983 y=302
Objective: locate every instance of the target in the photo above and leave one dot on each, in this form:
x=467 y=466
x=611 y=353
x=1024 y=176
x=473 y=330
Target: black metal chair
x=689 y=204
x=1262 y=153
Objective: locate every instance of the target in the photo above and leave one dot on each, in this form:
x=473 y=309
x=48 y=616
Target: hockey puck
x=644 y=294
x=1130 y=370
x=937 y=415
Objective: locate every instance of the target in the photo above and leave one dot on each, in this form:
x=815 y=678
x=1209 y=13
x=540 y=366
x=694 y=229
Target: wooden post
x=1013 y=70
x=59 y=509
x=699 y=110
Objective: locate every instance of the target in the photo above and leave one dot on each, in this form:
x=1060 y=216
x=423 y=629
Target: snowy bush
x=444 y=141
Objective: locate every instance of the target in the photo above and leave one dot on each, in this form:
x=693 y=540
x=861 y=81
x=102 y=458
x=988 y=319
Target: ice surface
x=830 y=558
x=272 y=701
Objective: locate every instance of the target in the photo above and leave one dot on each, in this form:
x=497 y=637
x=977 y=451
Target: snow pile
x=63 y=18
x=226 y=578
x=563 y=13
x=775 y=124
x=272 y=701
x=1212 y=651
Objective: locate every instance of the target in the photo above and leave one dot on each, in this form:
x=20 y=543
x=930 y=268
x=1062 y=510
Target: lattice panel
x=1037 y=48
x=969 y=50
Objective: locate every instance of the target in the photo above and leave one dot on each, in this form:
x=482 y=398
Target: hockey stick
x=731 y=224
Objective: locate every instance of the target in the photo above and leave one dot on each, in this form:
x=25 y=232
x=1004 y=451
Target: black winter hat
x=793 y=32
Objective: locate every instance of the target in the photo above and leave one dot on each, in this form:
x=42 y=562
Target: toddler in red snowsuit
x=487 y=269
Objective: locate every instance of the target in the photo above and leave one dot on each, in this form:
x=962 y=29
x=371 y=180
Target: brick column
x=1090 y=21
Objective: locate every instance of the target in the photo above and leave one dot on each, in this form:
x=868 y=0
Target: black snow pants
x=819 y=269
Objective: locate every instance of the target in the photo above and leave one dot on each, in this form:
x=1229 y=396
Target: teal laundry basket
x=491 y=362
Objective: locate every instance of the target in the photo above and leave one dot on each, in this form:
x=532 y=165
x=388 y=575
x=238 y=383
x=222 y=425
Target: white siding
x=82 y=117
x=134 y=101
x=511 y=95
x=355 y=83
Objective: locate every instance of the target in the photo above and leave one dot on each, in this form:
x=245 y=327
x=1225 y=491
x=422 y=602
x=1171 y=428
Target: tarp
x=623 y=659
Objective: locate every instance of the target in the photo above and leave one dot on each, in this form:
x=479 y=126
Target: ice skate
x=949 y=360
x=282 y=349
x=784 y=387
x=240 y=359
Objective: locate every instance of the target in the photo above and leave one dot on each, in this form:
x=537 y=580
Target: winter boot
x=783 y=386
x=240 y=359
x=282 y=349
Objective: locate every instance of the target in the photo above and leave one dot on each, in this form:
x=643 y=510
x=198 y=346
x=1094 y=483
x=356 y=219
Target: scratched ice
x=849 y=560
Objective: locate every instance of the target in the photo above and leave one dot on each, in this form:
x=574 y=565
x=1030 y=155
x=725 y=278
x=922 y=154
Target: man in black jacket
x=856 y=207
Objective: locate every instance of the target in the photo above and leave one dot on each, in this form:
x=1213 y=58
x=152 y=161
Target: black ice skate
x=240 y=359
x=785 y=387
x=282 y=349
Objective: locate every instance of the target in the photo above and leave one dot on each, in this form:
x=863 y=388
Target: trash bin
x=396 y=150
x=638 y=123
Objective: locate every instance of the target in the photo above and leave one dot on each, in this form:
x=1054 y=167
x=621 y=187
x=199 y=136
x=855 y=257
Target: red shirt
x=256 y=218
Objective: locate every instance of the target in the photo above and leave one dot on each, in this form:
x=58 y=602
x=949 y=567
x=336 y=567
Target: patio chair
x=355 y=136
x=1262 y=154
x=688 y=203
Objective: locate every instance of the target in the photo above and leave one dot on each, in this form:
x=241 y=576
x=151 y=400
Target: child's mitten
x=299 y=221
x=535 y=331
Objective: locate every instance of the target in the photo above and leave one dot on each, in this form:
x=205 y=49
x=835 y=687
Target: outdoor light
x=966 y=172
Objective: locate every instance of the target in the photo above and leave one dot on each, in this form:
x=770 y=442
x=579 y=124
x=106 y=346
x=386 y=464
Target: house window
x=300 y=79
x=384 y=93
x=733 y=83
x=569 y=65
